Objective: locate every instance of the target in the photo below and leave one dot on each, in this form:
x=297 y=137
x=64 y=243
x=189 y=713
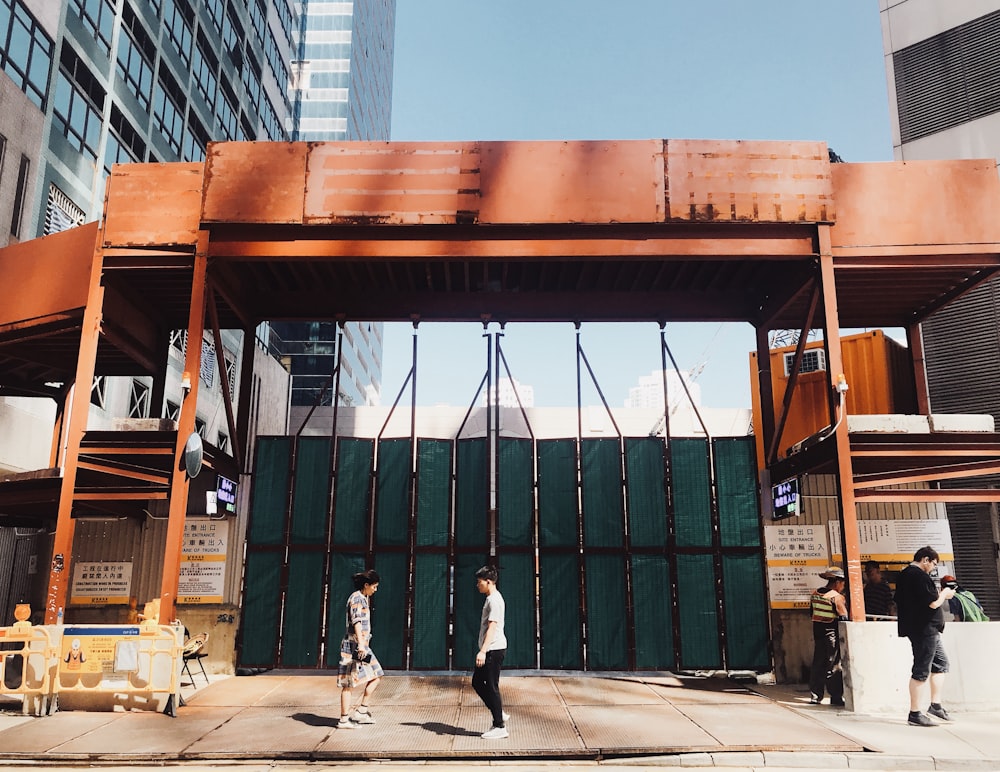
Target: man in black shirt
x=920 y=618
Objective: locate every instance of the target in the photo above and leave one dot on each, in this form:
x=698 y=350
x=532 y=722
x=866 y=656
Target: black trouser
x=826 y=670
x=486 y=682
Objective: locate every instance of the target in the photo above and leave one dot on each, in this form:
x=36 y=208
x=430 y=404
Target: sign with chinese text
x=203 y=561
x=100 y=583
x=796 y=555
x=895 y=541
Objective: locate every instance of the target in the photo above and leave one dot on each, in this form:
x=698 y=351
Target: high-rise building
x=942 y=65
x=649 y=392
x=341 y=89
x=90 y=83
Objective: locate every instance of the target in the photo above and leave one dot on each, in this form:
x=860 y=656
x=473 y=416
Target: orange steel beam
x=76 y=426
x=845 y=474
x=940 y=495
x=915 y=342
x=185 y=426
x=115 y=494
x=927 y=474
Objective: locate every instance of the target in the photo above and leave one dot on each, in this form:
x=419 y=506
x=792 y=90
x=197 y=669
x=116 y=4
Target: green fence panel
x=517 y=584
x=303 y=609
x=430 y=612
x=559 y=596
x=352 y=492
x=601 y=480
x=312 y=490
x=654 y=647
x=607 y=620
x=698 y=612
x=268 y=510
x=433 y=492
x=692 y=492
x=515 y=494
x=647 y=500
x=746 y=613
x=261 y=609
x=392 y=492
x=343 y=567
x=468 y=609
x=389 y=609
x=557 y=493
x=736 y=489
x=472 y=493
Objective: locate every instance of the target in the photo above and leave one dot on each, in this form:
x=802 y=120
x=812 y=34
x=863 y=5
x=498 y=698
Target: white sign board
x=895 y=541
x=796 y=555
x=203 y=561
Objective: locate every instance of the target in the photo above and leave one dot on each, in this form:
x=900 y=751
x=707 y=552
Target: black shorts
x=928 y=656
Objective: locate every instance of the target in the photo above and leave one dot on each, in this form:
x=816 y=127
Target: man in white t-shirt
x=492 y=648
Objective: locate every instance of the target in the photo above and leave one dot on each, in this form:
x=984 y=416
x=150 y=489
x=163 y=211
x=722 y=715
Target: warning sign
x=203 y=561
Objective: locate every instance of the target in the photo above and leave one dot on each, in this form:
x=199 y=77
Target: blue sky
x=629 y=69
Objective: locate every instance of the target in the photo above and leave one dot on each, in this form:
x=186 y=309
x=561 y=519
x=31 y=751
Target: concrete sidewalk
x=623 y=719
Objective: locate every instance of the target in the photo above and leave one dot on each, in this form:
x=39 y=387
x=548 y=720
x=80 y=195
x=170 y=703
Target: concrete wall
x=877 y=667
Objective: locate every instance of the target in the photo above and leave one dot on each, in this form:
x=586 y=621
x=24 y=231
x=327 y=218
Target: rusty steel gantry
x=769 y=233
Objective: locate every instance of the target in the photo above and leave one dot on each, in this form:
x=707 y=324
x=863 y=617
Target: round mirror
x=194 y=454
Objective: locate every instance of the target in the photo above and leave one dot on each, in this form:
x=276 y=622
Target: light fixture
x=186 y=381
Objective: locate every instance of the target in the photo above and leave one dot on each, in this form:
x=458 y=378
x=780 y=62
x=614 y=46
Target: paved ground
x=566 y=719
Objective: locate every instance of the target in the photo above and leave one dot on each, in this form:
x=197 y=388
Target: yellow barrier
x=107 y=665
x=28 y=666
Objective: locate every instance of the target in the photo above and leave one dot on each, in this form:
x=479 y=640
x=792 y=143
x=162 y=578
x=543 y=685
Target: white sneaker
x=506 y=716
x=362 y=718
x=346 y=723
x=496 y=733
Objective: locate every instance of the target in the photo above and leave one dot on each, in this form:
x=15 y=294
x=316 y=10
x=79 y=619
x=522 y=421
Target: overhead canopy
x=662 y=230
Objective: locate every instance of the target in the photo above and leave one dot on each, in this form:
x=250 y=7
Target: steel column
x=179 y=483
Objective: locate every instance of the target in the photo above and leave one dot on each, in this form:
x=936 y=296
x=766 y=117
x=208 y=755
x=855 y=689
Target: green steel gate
x=626 y=554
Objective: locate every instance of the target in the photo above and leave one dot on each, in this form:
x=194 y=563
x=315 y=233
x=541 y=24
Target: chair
x=194 y=649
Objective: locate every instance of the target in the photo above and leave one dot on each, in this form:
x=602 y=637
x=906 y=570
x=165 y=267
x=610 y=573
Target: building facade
x=341 y=89
x=943 y=71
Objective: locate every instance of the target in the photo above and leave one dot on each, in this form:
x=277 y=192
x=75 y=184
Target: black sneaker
x=838 y=703
x=939 y=712
x=815 y=699
x=919 y=719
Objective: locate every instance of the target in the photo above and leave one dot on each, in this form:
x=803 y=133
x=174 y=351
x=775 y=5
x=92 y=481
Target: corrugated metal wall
x=962 y=348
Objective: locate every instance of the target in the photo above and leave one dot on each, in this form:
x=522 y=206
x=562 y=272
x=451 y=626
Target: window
x=258 y=18
x=232 y=37
x=136 y=54
x=177 y=18
x=168 y=110
x=124 y=145
x=99 y=392
x=79 y=102
x=216 y=10
x=251 y=81
x=172 y=411
x=178 y=341
x=284 y=17
x=231 y=372
x=208 y=363
x=98 y=16
x=61 y=213
x=20 y=194
x=195 y=139
x=228 y=121
x=813 y=360
x=138 y=400
x=27 y=57
x=201 y=427
x=203 y=69
x=274 y=60
x=223 y=444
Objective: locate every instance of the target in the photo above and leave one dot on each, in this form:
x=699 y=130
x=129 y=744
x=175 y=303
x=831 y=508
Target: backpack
x=971 y=610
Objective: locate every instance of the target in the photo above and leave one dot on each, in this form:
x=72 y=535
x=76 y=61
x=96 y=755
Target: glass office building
x=341 y=89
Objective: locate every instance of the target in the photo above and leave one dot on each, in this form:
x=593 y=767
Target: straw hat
x=833 y=572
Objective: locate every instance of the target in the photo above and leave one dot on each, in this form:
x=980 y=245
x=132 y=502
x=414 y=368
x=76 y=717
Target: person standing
x=492 y=649
x=358 y=663
x=828 y=608
x=921 y=619
x=878 y=594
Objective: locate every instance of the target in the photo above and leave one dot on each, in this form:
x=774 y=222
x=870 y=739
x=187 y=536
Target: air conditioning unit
x=813 y=360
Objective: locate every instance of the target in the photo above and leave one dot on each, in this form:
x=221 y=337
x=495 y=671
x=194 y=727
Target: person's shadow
x=444 y=729
x=314 y=720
